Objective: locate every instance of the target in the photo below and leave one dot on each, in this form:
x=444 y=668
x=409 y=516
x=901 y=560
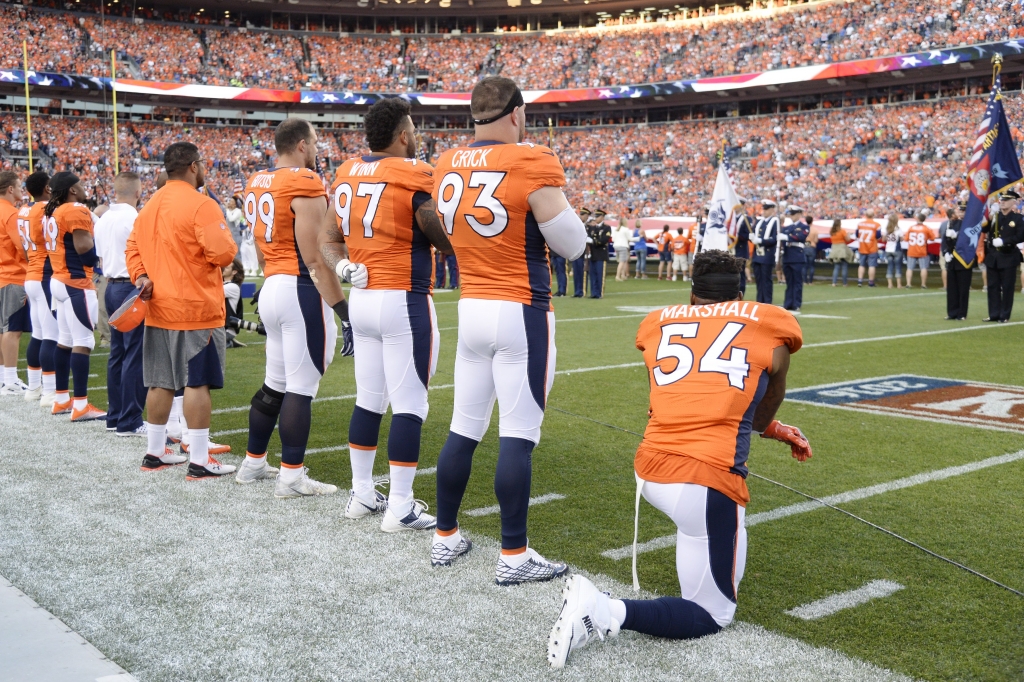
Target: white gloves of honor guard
x=783 y=237
x=948 y=257
x=997 y=242
x=951 y=234
x=754 y=238
x=353 y=273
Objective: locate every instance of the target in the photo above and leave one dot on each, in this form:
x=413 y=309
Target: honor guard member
x=765 y=237
x=1003 y=232
x=598 y=237
x=579 y=264
x=958 y=285
x=742 y=246
x=792 y=239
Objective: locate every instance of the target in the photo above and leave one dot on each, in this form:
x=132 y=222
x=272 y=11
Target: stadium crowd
x=644 y=52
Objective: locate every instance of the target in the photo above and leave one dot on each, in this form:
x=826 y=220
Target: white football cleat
x=585 y=614
x=46 y=399
x=416 y=519
x=303 y=486
x=358 y=507
x=443 y=555
x=250 y=473
x=534 y=570
x=17 y=388
x=33 y=393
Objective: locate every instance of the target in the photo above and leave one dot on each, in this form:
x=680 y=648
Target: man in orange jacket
x=175 y=255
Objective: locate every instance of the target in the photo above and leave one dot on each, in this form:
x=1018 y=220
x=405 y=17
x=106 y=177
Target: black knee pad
x=267 y=401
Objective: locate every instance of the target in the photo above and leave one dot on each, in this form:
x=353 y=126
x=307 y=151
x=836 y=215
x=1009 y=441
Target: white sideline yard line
x=850 y=496
x=231 y=432
x=573 y=319
x=429 y=471
x=880 y=297
x=876 y=589
x=824 y=344
x=494 y=509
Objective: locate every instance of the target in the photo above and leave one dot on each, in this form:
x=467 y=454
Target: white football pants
x=77 y=311
x=301 y=334
x=44 y=324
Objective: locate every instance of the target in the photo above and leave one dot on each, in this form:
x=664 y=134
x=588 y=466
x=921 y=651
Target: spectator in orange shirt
x=918 y=237
x=664 y=253
x=868 y=234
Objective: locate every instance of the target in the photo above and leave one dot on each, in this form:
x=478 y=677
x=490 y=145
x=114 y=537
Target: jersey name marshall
x=742 y=309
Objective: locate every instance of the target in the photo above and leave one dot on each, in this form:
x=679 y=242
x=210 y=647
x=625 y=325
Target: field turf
x=945 y=625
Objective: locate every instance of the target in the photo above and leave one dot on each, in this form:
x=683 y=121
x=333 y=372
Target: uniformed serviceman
x=742 y=247
x=598 y=237
x=765 y=237
x=958 y=275
x=1002 y=256
x=792 y=239
x=579 y=265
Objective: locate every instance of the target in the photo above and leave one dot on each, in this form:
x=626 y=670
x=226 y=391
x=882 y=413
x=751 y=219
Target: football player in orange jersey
x=501 y=202
x=14 y=312
x=37 y=286
x=717 y=369
x=67 y=230
x=284 y=207
x=384 y=214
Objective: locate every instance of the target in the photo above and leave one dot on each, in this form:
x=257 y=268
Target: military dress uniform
x=1002 y=234
x=598 y=235
x=578 y=265
x=765 y=237
x=742 y=248
x=793 y=238
x=958 y=283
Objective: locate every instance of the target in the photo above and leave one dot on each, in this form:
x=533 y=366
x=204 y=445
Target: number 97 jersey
x=268 y=210
x=481 y=193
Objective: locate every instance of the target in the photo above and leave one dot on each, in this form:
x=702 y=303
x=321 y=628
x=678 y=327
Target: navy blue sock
x=32 y=353
x=179 y=393
x=296 y=415
x=46 y=351
x=80 y=372
x=669 y=617
x=512 y=488
x=364 y=428
x=404 y=439
x=263 y=419
x=454 y=465
x=62 y=367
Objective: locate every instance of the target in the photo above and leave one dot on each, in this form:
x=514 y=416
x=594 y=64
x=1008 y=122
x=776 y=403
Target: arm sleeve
x=213 y=235
x=565 y=234
x=542 y=169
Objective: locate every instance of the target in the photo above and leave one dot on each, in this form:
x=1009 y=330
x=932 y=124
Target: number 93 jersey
x=376 y=199
x=708 y=369
x=481 y=193
x=268 y=210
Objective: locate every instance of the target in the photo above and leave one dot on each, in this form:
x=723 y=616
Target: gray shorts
x=175 y=359
x=917 y=264
x=12 y=302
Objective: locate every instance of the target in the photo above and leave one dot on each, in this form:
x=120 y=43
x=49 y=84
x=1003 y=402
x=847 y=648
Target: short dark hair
x=36 y=184
x=716 y=263
x=8 y=179
x=491 y=95
x=384 y=121
x=289 y=133
x=180 y=156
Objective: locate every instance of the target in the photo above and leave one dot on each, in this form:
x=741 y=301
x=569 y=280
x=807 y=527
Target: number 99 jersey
x=708 y=369
x=268 y=210
x=481 y=194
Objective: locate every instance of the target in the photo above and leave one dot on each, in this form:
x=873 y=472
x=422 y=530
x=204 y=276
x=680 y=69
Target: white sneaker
x=303 y=486
x=212 y=469
x=33 y=393
x=585 y=614
x=46 y=400
x=168 y=459
x=535 y=569
x=443 y=555
x=17 y=388
x=141 y=431
x=357 y=507
x=416 y=519
x=250 y=473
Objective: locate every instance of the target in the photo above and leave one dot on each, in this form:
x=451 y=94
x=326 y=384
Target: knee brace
x=268 y=401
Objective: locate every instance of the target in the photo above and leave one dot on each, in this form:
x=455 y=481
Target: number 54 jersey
x=708 y=369
x=481 y=194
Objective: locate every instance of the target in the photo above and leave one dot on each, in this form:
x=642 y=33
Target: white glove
x=783 y=237
x=949 y=258
x=951 y=234
x=353 y=273
x=754 y=238
x=997 y=242
x=589 y=240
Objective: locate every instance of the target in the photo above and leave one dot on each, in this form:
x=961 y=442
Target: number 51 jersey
x=481 y=194
x=708 y=369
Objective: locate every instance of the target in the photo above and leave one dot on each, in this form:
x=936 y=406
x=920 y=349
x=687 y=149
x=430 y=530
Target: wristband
x=341 y=308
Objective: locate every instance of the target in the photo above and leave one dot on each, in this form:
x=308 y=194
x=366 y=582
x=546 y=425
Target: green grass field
x=945 y=625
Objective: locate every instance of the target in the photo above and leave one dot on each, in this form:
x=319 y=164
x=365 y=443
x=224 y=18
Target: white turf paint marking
x=876 y=589
x=824 y=344
x=575 y=319
x=812 y=316
x=429 y=471
x=231 y=432
x=840 y=498
x=494 y=509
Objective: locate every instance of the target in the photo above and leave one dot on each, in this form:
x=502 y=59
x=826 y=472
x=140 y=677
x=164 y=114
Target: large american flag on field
x=993 y=167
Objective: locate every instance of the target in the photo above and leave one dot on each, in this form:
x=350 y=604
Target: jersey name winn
x=376 y=199
x=268 y=210
x=58 y=230
x=481 y=192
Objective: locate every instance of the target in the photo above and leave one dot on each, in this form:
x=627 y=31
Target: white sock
x=35 y=376
x=515 y=560
x=617 y=608
x=80 y=403
x=400 y=494
x=362 y=471
x=289 y=474
x=49 y=382
x=252 y=460
x=450 y=541
x=199 y=446
x=175 y=421
x=62 y=397
x=10 y=375
x=156 y=434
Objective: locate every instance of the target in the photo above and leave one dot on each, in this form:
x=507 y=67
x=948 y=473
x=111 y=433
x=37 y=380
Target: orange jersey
x=12 y=248
x=839 y=237
x=680 y=243
x=481 y=193
x=57 y=234
x=38 y=261
x=268 y=210
x=867 y=233
x=917 y=237
x=663 y=239
x=376 y=199
x=708 y=369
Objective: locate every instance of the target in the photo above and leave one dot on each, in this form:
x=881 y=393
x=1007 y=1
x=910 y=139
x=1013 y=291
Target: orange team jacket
x=708 y=369
x=868 y=232
x=181 y=242
x=917 y=237
x=481 y=194
x=268 y=210
x=60 y=244
x=376 y=199
x=12 y=253
x=31 y=219
x=680 y=243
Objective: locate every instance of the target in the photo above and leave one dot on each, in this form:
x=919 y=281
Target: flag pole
x=997 y=67
x=113 y=86
x=28 y=114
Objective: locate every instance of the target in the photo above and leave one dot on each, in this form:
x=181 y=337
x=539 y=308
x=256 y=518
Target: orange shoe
x=61 y=408
x=87 y=414
x=214 y=448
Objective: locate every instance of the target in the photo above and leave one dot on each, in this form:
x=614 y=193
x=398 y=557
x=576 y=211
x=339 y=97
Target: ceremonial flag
x=992 y=168
x=723 y=212
x=239 y=187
